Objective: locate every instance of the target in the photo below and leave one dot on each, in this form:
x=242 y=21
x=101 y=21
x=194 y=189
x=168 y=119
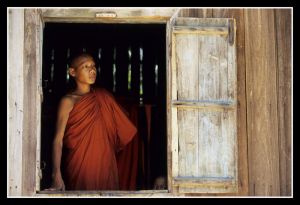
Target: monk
x=92 y=128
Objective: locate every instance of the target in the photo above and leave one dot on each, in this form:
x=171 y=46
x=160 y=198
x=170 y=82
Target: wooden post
x=32 y=99
x=15 y=101
x=283 y=37
x=262 y=116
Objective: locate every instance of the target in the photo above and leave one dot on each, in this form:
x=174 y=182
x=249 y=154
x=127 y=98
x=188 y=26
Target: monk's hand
x=57 y=183
x=160 y=183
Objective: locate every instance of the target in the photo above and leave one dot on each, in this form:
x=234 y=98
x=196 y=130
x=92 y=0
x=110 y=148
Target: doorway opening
x=131 y=64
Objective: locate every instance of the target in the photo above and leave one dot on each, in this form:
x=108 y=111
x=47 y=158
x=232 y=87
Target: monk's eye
x=86 y=67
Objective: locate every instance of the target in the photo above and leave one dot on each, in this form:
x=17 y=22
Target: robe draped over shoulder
x=97 y=129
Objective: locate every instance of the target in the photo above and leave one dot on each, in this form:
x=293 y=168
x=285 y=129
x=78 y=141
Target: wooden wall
x=264 y=97
x=15 y=102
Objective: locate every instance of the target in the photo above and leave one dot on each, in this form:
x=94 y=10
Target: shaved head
x=80 y=59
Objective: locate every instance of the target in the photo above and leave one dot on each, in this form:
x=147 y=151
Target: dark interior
x=131 y=64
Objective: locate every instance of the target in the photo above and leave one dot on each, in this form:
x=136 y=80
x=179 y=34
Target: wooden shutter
x=204 y=105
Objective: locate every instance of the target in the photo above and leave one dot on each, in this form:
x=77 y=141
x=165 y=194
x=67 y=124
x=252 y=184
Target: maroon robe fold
x=97 y=129
x=127 y=159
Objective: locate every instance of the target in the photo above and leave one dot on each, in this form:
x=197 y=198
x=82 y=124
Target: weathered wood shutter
x=204 y=105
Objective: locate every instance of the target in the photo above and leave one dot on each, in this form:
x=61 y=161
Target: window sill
x=140 y=193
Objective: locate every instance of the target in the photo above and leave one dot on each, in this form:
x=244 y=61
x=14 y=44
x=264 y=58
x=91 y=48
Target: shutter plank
x=209 y=144
x=186 y=51
x=216 y=144
x=213 y=69
x=187 y=67
x=188 y=143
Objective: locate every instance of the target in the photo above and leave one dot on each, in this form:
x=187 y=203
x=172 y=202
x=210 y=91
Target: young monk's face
x=85 y=71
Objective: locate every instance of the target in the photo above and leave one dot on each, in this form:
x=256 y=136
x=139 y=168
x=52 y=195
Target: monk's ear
x=72 y=71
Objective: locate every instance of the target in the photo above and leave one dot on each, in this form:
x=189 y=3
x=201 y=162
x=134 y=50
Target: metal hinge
x=231 y=31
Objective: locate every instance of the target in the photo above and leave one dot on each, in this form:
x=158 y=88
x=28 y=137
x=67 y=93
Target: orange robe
x=97 y=129
x=127 y=159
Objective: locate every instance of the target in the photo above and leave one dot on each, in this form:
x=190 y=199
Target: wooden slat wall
x=151 y=50
x=261 y=86
x=283 y=37
x=200 y=13
x=264 y=97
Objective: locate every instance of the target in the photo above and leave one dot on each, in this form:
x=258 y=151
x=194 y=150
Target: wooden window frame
x=122 y=15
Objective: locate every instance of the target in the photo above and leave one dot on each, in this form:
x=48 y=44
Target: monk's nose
x=93 y=71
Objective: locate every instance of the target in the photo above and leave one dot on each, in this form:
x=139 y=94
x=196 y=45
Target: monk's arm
x=64 y=109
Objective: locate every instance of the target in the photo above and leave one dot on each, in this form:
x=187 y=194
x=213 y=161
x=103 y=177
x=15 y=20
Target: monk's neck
x=83 y=89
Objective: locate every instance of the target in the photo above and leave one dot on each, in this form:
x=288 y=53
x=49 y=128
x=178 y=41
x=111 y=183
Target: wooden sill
x=140 y=193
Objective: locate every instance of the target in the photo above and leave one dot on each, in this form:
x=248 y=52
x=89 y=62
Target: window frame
x=132 y=16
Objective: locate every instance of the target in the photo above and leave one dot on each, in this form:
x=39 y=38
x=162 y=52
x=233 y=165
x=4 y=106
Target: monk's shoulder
x=66 y=103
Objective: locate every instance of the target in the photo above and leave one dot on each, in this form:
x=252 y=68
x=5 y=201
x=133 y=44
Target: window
x=130 y=62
